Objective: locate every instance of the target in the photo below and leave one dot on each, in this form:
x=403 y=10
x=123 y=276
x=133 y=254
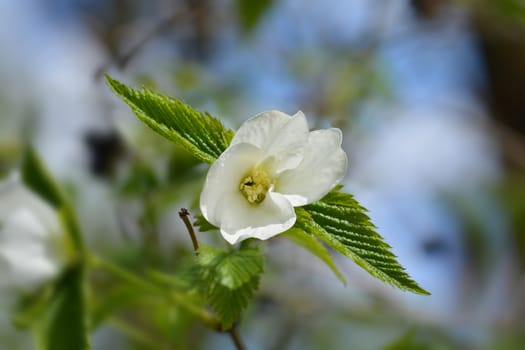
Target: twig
x=233 y=331
x=137 y=334
x=174 y=296
x=236 y=338
x=122 y=60
x=183 y=214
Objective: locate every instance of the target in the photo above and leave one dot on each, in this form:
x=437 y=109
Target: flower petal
x=224 y=178
x=26 y=265
x=281 y=137
x=241 y=220
x=324 y=166
x=16 y=198
x=260 y=129
x=29 y=254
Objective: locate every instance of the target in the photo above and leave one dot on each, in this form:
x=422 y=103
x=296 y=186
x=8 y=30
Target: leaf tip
x=421 y=291
x=108 y=78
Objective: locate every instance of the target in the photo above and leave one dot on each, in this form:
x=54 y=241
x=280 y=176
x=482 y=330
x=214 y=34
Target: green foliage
x=511 y=8
x=58 y=311
x=250 y=12
x=203 y=224
x=141 y=179
x=424 y=338
x=407 y=341
x=339 y=221
x=37 y=178
x=199 y=133
x=64 y=324
x=113 y=301
x=312 y=244
x=31 y=307
x=227 y=280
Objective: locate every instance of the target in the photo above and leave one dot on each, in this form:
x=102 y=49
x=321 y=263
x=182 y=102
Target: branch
x=236 y=338
x=233 y=332
x=122 y=60
x=183 y=214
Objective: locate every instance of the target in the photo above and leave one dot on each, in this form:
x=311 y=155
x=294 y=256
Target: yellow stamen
x=255 y=186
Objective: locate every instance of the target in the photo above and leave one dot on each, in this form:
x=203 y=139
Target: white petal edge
x=224 y=177
x=28 y=255
x=287 y=148
x=260 y=129
x=14 y=196
x=323 y=167
x=281 y=138
x=26 y=266
x=241 y=220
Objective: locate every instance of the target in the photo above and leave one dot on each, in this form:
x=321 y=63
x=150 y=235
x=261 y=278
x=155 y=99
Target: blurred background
x=430 y=95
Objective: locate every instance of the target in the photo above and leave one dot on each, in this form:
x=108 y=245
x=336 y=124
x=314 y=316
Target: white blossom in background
x=30 y=238
x=273 y=164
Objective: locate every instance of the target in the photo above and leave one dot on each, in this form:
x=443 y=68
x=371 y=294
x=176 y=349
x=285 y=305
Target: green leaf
x=30 y=307
x=250 y=12
x=229 y=303
x=199 y=133
x=312 y=244
x=64 y=325
x=203 y=224
x=113 y=301
x=38 y=179
x=339 y=221
x=228 y=280
x=409 y=341
x=58 y=311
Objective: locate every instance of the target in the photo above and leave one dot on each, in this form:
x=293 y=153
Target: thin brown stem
x=234 y=331
x=236 y=338
x=184 y=214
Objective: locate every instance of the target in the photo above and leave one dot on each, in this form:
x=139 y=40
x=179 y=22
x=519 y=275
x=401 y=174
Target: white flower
x=274 y=163
x=29 y=238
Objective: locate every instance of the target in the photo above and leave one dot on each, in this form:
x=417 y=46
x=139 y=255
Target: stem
x=135 y=334
x=116 y=270
x=174 y=296
x=234 y=331
x=183 y=214
x=236 y=338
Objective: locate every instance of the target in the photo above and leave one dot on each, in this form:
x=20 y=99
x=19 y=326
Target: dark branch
x=184 y=215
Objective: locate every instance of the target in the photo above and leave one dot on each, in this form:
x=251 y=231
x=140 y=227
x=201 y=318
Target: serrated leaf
x=339 y=221
x=64 y=326
x=235 y=270
x=312 y=244
x=229 y=303
x=199 y=133
x=228 y=280
x=202 y=224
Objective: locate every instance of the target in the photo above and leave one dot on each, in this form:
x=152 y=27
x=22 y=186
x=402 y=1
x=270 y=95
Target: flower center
x=255 y=186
